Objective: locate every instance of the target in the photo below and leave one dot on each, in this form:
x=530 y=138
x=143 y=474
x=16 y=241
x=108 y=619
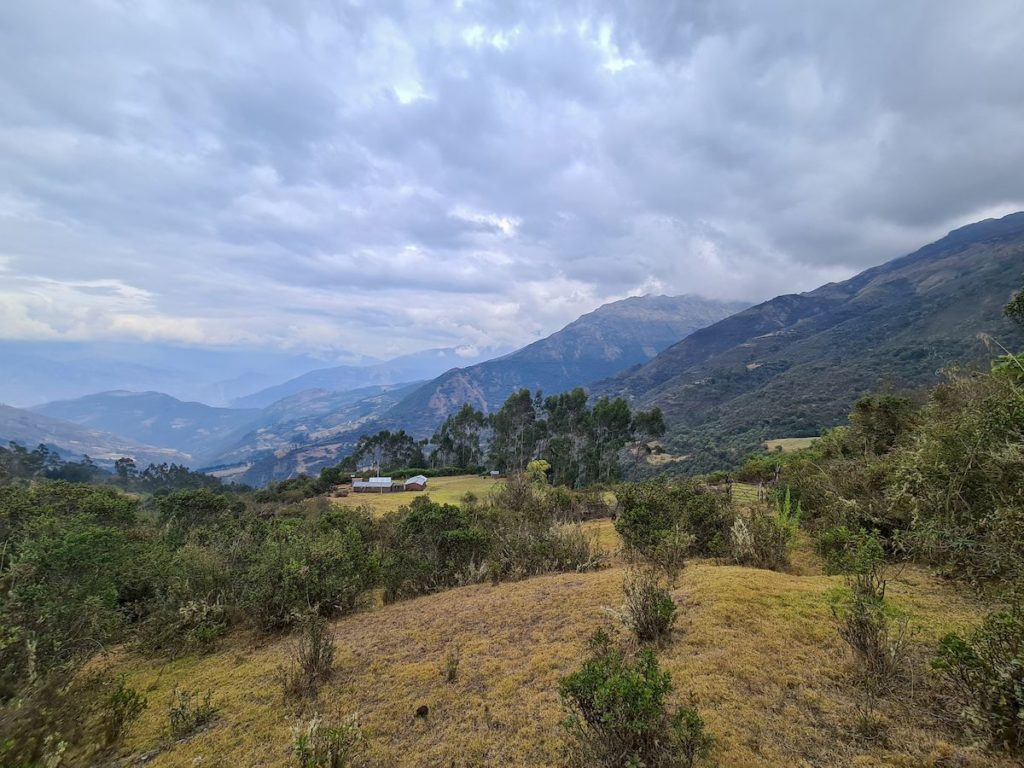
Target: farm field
x=443 y=490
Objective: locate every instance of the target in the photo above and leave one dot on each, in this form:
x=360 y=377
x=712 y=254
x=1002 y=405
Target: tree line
x=583 y=444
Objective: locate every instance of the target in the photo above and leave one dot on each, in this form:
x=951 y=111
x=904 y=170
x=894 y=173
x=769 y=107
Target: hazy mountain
x=154 y=418
x=40 y=372
x=795 y=364
x=73 y=441
x=613 y=337
x=291 y=435
x=414 y=367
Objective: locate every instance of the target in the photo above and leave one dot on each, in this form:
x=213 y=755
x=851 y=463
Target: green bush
x=650 y=511
x=318 y=745
x=327 y=564
x=762 y=538
x=428 y=546
x=649 y=611
x=312 y=659
x=619 y=716
x=187 y=711
x=985 y=672
x=121 y=707
x=877 y=636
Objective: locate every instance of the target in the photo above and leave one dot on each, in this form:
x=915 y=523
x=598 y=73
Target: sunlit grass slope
x=757 y=649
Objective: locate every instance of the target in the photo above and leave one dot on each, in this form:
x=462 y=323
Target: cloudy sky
x=381 y=176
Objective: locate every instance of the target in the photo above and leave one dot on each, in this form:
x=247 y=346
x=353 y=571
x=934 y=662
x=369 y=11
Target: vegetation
x=649 y=611
x=985 y=672
x=619 y=715
x=312 y=662
x=189 y=711
x=320 y=745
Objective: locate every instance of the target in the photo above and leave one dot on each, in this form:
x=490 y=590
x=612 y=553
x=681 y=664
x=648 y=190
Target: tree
x=125 y=468
x=647 y=426
x=457 y=441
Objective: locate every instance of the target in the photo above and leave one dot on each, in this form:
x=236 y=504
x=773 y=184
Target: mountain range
x=726 y=377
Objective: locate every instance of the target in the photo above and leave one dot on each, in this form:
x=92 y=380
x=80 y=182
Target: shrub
x=327 y=746
x=985 y=672
x=878 y=639
x=669 y=554
x=312 y=658
x=650 y=511
x=450 y=666
x=619 y=716
x=649 y=611
x=761 y=540
x=188 y=711
x=428 y=546
x=121 y=707
x=326 y=563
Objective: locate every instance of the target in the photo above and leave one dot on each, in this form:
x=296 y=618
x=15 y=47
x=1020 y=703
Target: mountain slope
x=291 y=434
x=154 y=418
x=609 y=339
x=795 y=364
x=414 y=367
x=73 y=441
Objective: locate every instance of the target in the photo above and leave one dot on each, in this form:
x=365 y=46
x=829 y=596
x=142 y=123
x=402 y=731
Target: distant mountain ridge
x=74 y=441
x=795 y=364
x=417 y=366
x=611 y=338
x=194 y=429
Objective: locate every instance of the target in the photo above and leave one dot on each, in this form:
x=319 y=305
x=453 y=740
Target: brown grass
x=757 y=648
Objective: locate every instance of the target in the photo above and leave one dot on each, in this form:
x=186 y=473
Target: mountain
x=155 y=418
x=42 y=371
x=283 y=438
x=796 y=364
x=417 y=366
x=73 y=441
x=613 y=337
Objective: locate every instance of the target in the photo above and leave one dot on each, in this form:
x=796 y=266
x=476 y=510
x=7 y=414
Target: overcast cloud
x=381 y=176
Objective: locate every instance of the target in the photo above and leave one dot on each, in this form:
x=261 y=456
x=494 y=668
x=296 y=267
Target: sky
x=380 y=177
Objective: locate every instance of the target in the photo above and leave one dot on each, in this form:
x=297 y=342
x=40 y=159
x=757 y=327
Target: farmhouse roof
x=418 y=479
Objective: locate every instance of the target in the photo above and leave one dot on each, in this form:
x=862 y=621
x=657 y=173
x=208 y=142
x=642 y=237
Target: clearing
x=789 y=444
x=443 y=490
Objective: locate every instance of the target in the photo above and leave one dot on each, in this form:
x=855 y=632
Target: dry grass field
x=757 y=649
x=789 y=444
x=444 y=490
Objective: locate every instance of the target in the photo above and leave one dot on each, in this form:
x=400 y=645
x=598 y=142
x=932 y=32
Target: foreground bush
x=985 y=672
x=649 y=611
x=878 y=638
x=312 y=659
x=188 y=711
x=762 y=538
x=651 y=511
x=319 y=745
x=619 y=715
